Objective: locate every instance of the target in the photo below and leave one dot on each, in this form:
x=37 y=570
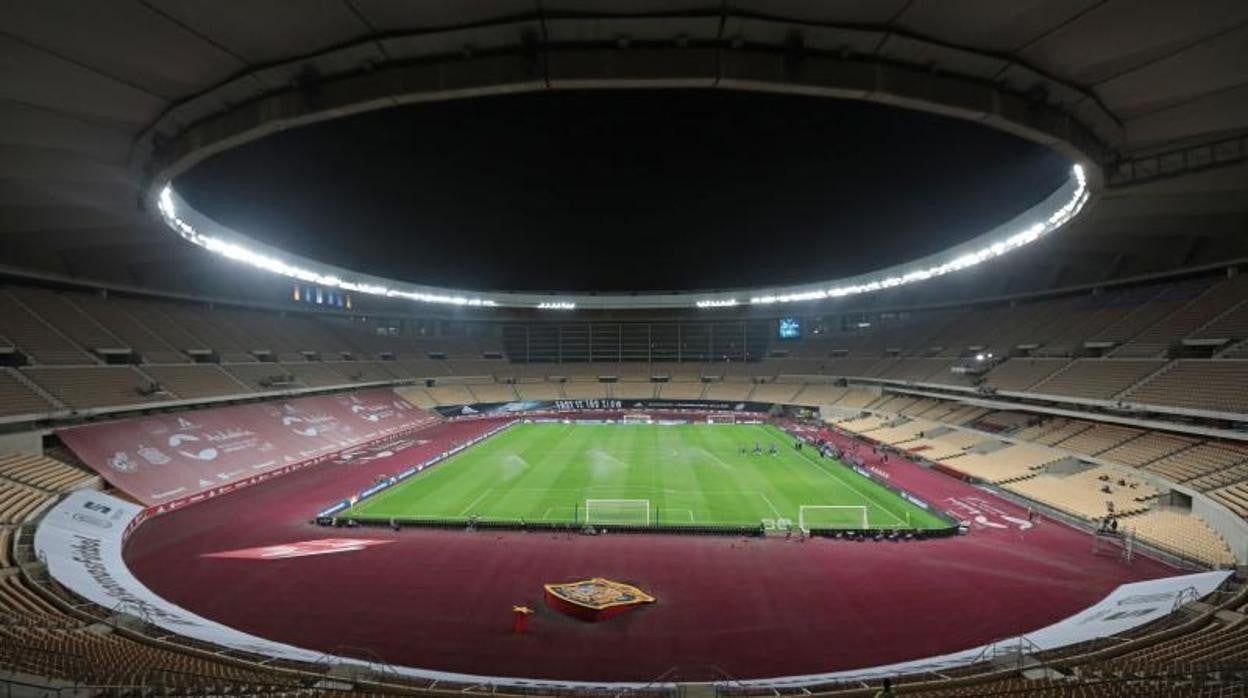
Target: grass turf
x=688 y=474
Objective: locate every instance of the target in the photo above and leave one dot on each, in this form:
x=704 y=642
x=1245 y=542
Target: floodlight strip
x=248 y=252
x=1026 y=236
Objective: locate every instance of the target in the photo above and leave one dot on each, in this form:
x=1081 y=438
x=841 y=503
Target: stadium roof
x=100 y=102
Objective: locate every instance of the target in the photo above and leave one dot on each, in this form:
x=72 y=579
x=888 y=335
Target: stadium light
x=1026 y=236
x=240 y=253
x=1055 y=211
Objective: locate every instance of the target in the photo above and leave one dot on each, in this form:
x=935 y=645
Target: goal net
x=623 y=512
x=637 y=419
x=721 y=419
x=815 y=516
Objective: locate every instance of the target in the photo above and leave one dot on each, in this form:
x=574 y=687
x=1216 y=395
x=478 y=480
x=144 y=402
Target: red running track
x=755 y=608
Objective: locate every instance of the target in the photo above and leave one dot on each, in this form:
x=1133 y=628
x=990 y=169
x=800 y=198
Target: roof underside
x=86 y=87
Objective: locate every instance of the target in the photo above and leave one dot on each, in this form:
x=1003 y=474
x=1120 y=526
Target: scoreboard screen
x=790 y=328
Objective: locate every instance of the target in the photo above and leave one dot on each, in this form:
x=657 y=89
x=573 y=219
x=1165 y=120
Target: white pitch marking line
x=476 y=501
x=771 y=506
x=857 y=491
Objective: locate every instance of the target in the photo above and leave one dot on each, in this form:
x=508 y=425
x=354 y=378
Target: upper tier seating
x=1162 y=303
x=1186 y=319
x=31 y=335
x=190 y=381
x=1021 y=374
x=1219 y=385
x=67 y=318
x=95 y=386
x=1098 y=438
x=1097 y=379
x=17 y=398
x=128 y=329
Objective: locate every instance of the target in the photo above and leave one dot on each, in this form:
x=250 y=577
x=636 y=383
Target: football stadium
x=676 y=348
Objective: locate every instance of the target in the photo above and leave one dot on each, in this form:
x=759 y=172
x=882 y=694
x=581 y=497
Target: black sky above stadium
x=624 y=191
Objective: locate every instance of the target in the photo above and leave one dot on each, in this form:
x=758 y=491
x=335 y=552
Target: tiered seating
x=93 y=657
x=946 y=446
x=492 y=392
x=917 y=370
x=1097 y=379
x=539 y=391
x=38 y=471
x=1082 y=493
x=1160 y=336
x=1147 y=448
x=1058 y=430
x=416 y=396
x=17 y=398
x=34 y=337
x=1217 y=645
x=1195 y=462
x=318 y=374
x=263 y=376
x=190 y=381
x=1181 y=532
x=132 y=333
x=963 y=414
x=741 y=391
x=902 y=433
x=18 y=501
x=1234 y=498
x=1162 y=303
x=680 y=391
x=857 y=397
x=892 y=404
x=1098 y=438
x=94 y=386
x=779 y=393
x=1021 y=374
x=1219 y=384
x=71 y=322
x=633 y=390
x=1004 y=465
x=862 y=425
x=450 y=394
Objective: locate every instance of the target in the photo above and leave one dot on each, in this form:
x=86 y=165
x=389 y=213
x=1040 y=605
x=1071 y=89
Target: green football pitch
x=645 y=474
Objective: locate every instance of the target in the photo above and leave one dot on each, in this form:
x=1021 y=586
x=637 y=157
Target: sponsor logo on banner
x=161 y=457
x=153 y=455
x=305 y=548
x=120 y=461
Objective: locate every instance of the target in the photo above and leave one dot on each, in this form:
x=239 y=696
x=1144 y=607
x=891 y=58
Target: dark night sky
x=620 y=191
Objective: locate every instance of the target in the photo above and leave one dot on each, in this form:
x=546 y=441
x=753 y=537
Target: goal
x=721 y=419
x=831 y=516
x=621 y=512
x=637 y=419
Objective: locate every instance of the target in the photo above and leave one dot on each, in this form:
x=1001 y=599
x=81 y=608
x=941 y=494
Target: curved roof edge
x=1056 y=210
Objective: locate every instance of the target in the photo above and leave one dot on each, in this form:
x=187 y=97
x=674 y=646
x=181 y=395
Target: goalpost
x=721 y=419
x=637 y=419
x=621 y=512
x=831 y=516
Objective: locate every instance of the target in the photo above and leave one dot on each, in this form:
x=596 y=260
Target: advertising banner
x=166 y=458
x=611 y=404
